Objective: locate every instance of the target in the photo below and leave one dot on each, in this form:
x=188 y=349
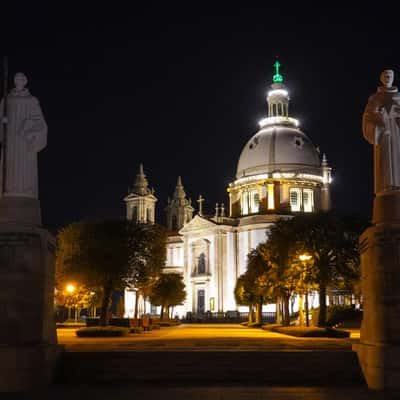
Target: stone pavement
x=219 y=342
x=207 y=337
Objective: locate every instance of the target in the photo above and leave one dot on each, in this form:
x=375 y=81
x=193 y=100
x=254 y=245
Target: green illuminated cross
x=277 y=78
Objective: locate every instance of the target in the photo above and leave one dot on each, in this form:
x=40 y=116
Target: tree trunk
x=306 y=307
x=144 y=305
x=301 y=310
x=168 y=316
x=278 y=311
x=135 y=313
x=250 y=318
x=162 y=312
x=286 y=315
x=105 y=304
x=259 y=313
x=322 y=305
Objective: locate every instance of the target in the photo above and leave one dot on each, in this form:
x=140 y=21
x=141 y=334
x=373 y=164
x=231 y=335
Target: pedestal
x=28 y=341
x=379 y=347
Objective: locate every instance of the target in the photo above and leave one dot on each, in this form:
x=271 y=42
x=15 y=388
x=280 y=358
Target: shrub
x=336 y=314
x=171 y=322
x=154 y=327
x=93 y=321
x=244 y=323
x=102 y=331
x=137 y=329
x=307 y=331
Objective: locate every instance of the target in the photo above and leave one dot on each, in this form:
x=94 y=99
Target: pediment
x=197 y=223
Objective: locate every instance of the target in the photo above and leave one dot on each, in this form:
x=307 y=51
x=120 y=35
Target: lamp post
x=70 y=289
x=304 y=258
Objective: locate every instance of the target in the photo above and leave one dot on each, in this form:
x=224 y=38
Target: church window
x=302 y=199
x=250 y=202
x=295 y=199
x=174 y=223
x=201 y=267
x=255 y=204
x=298 y=142
x=308 y=200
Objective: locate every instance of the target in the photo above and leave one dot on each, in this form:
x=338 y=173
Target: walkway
x=203 y=337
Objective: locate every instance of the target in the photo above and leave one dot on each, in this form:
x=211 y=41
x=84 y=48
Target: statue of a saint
x=381 y=127
x=26 y=136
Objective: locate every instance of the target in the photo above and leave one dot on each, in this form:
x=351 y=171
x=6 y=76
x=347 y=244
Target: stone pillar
x=28 y=341
x=379 y=347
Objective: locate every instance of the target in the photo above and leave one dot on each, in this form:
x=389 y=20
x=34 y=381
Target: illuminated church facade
x=280 y=173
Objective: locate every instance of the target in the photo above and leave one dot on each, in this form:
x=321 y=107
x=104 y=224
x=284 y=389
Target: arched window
x=201 y=267
x=295 y=199
x=255 y=205
x=174 y=223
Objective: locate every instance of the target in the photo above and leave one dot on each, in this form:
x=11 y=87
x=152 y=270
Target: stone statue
x=381 y=127
x=26 y=136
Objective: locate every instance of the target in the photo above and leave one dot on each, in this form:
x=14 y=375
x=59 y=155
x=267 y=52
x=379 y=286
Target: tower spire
x=179 y=190
x=141 y=185
x=277 y=78
x=179 y=210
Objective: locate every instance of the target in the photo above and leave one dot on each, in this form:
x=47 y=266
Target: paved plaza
x=207 y=337
x=220 y=339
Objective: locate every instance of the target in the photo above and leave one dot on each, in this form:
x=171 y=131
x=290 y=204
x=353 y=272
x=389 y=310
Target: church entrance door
x=201 y=301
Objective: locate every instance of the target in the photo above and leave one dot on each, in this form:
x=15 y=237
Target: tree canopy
x=275 y=269
x=110 y=255
x=168 y=291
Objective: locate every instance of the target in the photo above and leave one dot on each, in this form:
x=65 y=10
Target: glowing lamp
x=305 y=257
x=70 y=288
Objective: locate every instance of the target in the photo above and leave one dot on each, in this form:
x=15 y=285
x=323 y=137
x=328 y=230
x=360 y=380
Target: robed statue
x=25 y=132
x=381 y=127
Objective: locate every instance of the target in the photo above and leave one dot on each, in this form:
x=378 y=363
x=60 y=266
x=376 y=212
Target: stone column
x=379 y=347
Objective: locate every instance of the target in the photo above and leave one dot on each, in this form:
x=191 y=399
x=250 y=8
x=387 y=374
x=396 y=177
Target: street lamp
x=304 y=258
x=70 y=289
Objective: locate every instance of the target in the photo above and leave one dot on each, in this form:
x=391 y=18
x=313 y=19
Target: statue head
x=387 y=77
x=20 y=80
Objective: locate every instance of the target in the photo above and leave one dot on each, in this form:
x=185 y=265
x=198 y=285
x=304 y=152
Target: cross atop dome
x=277 y=78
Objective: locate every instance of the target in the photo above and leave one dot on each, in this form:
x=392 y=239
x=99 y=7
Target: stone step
x=321 y=368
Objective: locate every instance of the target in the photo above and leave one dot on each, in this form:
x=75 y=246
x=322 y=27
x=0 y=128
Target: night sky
x=182 y=89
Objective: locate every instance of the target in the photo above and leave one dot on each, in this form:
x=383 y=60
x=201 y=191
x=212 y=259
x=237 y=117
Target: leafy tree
x=168 y=291
x=276 y=253
x=147 y=261
x=333 y=244
x=244 y=295
x=108 y=254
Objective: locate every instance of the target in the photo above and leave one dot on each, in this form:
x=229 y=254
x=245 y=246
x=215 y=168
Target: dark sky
x=182 y=89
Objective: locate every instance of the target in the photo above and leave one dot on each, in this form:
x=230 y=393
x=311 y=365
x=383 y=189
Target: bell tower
x=278 y=97
x=140 y=201
x=179 y=210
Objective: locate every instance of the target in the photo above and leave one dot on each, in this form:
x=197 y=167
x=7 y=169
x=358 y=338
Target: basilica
x=279 y=173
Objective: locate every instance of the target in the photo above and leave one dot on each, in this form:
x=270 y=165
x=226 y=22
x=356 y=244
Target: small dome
x=278 y=148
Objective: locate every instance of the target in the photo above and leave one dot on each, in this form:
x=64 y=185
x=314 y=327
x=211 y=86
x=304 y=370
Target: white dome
x=278 y=148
